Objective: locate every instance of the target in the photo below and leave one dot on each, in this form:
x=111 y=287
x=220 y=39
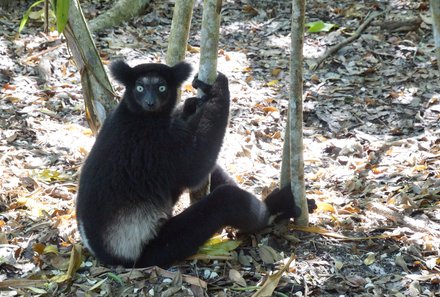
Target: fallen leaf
x=370 y=259
x=272 y=281
x=275 y=72
x=399 y=260
x=325 y=207
x=273 y=83
x=237 y=278
x=268 y=255
x=338 y=265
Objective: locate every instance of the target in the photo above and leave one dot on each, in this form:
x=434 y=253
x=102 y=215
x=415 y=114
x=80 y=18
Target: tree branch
x=331 y=51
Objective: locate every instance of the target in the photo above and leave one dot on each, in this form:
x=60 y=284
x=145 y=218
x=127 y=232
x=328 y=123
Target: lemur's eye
x=162 y=88
x=140 y=89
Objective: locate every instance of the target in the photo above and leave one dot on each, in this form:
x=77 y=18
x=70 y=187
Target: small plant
x=59 y=10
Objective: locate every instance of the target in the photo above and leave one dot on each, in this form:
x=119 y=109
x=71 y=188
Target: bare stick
x=208 y=65
x=331 y=51
x=403 y=220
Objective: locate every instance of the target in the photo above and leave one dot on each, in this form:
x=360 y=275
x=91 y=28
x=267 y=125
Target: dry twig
x=331 y=51
x=401 y=219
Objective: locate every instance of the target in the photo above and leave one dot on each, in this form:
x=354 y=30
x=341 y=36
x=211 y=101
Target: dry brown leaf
x=314 y=78
x=349 y=209
x=272 y=281
x=188 y=88
x=8 y=86
x=3 y=238
x=268 y=255
x=399 y=260
x=192 y=49
x=237 y=278
x=21 y=283
x=268 y=109
x=276 y=135
x=275 y=72
x=356 y=280
x=38 y=248
x=325 y=207
x=249 y=9
x=187 y=278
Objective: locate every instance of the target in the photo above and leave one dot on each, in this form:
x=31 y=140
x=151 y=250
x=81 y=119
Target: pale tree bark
x=292 y=169
x=209 y=40
x=180 y=25
x=208 y=60
x=122 y=10
x=99 y=97
x=435 y=10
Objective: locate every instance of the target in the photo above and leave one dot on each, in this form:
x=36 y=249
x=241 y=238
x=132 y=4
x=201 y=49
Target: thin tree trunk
x=209 y=40
x=98 y=92
x=435 y=10
x=208 y=61
x=46 y=17
x=180 y=25
x=293 y=161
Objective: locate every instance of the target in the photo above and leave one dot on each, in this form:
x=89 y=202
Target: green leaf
x=115 y=278
x=26 y=15
x=215 y=248
x=62 y=13
x=319 y=26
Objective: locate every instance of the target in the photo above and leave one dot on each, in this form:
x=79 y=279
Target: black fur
x=146 y=154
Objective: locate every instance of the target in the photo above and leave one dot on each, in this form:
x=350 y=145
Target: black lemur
x=146 y=154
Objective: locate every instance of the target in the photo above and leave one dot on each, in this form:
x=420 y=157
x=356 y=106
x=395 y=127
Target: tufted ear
x=181 y=72
x=121 y=72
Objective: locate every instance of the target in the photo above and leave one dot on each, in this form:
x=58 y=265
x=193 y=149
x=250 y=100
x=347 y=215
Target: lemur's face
x=151 y=92
x=150 y=88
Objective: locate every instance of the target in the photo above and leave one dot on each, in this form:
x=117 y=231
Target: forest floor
x=371 y=150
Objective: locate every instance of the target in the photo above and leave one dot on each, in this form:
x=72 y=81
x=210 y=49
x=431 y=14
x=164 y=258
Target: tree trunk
x=435 y=10
x=98 y=92
x=208 y=61
x=122 y=10
x=292 y=170
x=209 y=41
x=180 y=25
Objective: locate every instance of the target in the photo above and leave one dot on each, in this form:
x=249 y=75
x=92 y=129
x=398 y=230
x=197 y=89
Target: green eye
x=140 y=89
x=162 y=89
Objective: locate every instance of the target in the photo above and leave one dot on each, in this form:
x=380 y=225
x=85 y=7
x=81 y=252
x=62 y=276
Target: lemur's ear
x=181 y=72
x=121 y=72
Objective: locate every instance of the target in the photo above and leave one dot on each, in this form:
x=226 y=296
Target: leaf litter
x=371 y=125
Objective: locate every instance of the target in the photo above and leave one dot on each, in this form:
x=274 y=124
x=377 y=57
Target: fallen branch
x=331 y=51
x=406 y=25
x=403 y=220
x=122 y=10
x=48 y=50
x=22 y=283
